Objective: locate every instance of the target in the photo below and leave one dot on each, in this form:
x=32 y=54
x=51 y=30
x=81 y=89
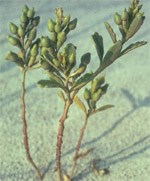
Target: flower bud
x=96 y=95
x=27 y=44
x=58 y=28
x=50 y=25
x=66 y=20
x=136 y=10
x=25 y=9
x=124 y=15
x=32 y=34
x=72 y=58
x=70 y=50
x=72 y=24
x=30 y=13
x=85 y=59
x=13 y=41
x=35 y=21
x=117 y=19
x=53 y=36
x=56 y=62
x=45 y=42
x=13 y=28
x=87 y=94
x=92 y=104
x=61 y=39
x=43 y=50
x=79 y=71
x=21 y=32
x=94 y=86
x=34 y=50
x=31 y=61
x=23 y=18
x=59 y=15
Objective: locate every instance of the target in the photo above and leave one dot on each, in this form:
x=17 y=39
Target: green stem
x=78 y=146
x=24 y=127
x=59 y=139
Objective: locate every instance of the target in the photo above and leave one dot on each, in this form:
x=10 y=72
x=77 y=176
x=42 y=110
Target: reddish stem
x=59 y=139
x=78 y=146
x=24 y=128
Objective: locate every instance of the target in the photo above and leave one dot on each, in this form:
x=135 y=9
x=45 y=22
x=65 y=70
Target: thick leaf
x=98 y=41
x=112 y=54
x=85 y=59
x=111 y=32
x=55 y=77
x=132 y=47
x=82 y=81
x=135 y=25
x=103 y=108
x=49 y=84
x=80 y=104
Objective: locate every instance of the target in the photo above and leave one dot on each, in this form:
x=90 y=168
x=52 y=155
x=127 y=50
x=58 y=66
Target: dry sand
x=120 y=136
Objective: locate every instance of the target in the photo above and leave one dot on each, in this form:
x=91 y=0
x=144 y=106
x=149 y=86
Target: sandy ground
x=120 y=136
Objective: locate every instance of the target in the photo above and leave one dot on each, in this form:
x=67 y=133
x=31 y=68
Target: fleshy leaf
x=132 y=47
x=82 y=81
x=112 y=54
x=103 y=108
x=98 y=41
x=80 y=104
x=48 y=84
x=111 y=32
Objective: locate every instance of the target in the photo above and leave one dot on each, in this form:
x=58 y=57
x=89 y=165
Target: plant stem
x=24 y=127
x=59 y=138
x=78 y=146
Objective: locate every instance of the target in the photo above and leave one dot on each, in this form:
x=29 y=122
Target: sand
x=120 y=136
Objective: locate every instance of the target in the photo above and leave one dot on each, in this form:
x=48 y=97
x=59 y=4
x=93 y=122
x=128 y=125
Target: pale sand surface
x=120 y=136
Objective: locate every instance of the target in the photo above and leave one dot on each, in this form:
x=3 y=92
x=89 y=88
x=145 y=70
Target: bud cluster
x=60 y=27
x=92 y=95
x=130 y=20
x=23 y=37
x=51 y=58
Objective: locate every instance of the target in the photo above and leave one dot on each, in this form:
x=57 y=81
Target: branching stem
x=59 y=138
x=24 y=127
x=78 y=146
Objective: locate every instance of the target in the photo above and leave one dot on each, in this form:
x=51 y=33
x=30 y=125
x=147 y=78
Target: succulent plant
x=58 y=59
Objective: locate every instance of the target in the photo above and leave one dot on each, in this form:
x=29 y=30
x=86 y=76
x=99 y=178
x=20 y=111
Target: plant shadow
x=119 y=156
x=136 y=104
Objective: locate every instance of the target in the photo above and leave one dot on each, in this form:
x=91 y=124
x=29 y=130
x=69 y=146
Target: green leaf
x=13 y=57
x=82 y=81
x=103 y=108
x=132 y=47
x=112 y=54
x=111 y=32
x=98 y=41
x=48 y=84
x=80 y=104
x=135 y=25
x=55 y=77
